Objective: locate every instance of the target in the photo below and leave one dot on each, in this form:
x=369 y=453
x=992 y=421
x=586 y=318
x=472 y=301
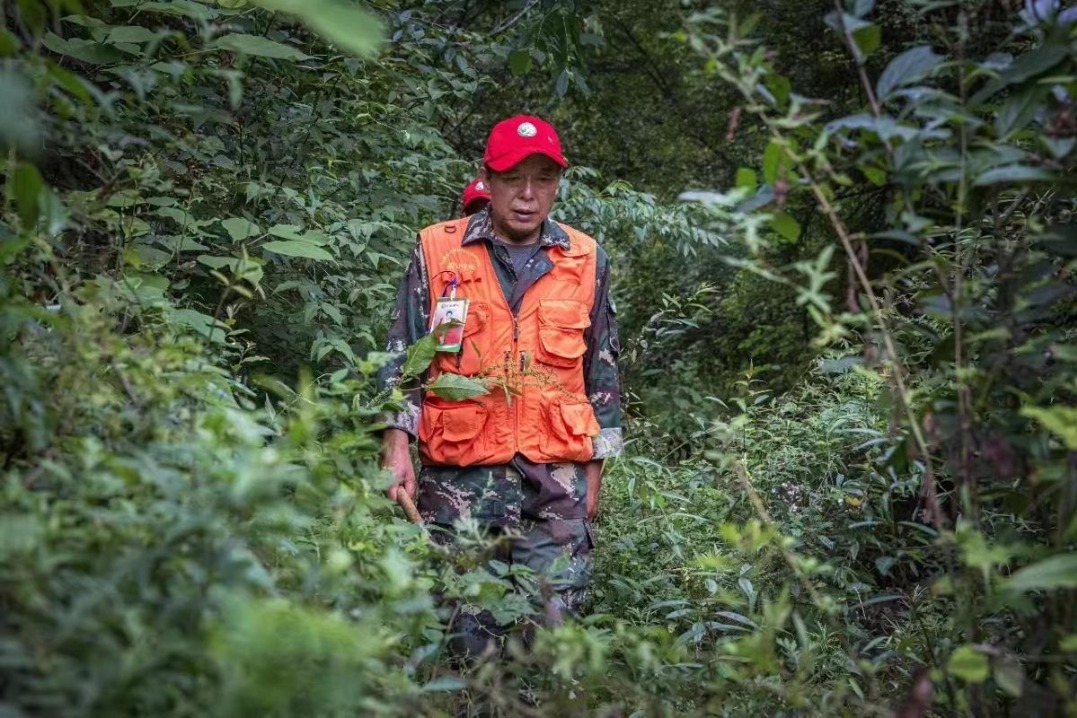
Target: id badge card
x=447 y=324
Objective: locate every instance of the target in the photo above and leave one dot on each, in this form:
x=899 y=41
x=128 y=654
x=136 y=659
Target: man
x=475 y=198
x=527 y=467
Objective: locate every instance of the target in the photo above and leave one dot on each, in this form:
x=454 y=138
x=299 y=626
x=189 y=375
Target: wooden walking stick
x=406 y=503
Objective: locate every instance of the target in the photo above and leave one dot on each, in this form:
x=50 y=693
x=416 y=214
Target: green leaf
x=420 y=354
x=1053 y=573
x=969 y=665
x=298 y=248
x=747 y=179
x=92 y=53
x=1069 y=644
x=520 y=62
x=905 y=69
x=779 y=86
x=338 y=21
x=772 y=158
x=1009 y=675
x=875 y=175
x=240 y=228
x=868 y=39
x=784 y=224
x=183 y=8
x=218 y=262
x=561 y=86
x=1013 y=173
x=132 y=34
x=256 y=45
x=9 y=44
x=456 y=388
x=26 y=186
x=286 y=231
x=1036 y=62
x=1019 y=110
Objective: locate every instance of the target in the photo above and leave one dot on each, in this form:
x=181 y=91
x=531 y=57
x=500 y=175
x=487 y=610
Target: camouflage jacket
x=503 y=495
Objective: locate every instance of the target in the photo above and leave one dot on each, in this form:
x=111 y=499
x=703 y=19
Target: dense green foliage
x=844 y=252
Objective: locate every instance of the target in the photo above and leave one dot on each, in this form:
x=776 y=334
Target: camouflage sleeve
x=408 y=324
x=601 y=377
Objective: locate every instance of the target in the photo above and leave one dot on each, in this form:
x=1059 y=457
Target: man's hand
x=593 y=470
x=396 y=457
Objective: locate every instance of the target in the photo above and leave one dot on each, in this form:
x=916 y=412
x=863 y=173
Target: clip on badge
x=450 y=315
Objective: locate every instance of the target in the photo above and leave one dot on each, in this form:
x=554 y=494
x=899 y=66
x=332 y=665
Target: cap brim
x=508 y=161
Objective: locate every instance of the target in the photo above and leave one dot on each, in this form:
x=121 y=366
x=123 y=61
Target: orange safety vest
x=546 y=415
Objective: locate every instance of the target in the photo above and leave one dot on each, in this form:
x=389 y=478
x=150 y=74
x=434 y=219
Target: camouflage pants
x=557 y=553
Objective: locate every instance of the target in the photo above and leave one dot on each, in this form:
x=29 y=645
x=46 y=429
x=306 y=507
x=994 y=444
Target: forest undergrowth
x=850 y=486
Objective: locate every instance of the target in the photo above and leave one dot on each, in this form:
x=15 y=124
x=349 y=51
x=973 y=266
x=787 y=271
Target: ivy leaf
x=240 y=228
x=457 y=388
x=338 y=21
x=905 y=69
x=256 y=45
x=969 y=665
x=299 y=248
x=420 y=354
x=1056 y=572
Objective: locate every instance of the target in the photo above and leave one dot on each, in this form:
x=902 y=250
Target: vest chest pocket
x=452 y=433
x=561 y=326
x=469 y=361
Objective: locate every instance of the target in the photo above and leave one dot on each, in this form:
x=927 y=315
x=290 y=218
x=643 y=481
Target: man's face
x=522 y=197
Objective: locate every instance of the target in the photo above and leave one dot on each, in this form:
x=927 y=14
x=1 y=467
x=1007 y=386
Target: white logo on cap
x=480 y=187
x=526 y=129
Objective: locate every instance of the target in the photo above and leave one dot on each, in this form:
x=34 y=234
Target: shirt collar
x=481 y=226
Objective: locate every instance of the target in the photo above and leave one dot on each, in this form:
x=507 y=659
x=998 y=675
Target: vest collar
x=481 y=226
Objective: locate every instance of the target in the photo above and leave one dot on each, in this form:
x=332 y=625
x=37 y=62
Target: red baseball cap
x=517 y=138
x=476 y=191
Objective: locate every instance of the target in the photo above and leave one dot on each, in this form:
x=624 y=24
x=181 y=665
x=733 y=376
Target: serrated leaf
x=257 y=45
x=240 y=228
x=969 y=665
x=420 y=354
x=298 y=248
x=454 y=387
x=905 y=69
x=338 y=21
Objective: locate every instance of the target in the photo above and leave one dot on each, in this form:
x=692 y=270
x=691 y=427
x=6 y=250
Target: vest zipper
x=516 y=404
